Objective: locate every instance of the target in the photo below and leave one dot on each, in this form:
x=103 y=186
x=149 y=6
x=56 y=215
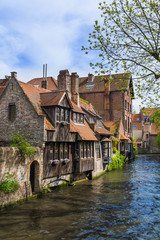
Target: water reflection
x=123 y=204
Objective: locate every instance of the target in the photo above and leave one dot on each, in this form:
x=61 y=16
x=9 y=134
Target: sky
x=52 y=32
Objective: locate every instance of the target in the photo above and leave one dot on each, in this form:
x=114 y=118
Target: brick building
x=111 y=97
x=145 y=131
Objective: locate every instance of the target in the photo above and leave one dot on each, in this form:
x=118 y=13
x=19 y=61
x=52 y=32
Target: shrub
x=9 y=184
x=135 y=150
x=116 y=162
x=22 y=144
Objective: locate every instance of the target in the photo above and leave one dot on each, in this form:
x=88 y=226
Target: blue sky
x=34 y=32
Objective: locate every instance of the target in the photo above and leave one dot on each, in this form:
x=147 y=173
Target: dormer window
x=78 y=118
x=62 y=115
x=98 y=123
x=67 y=115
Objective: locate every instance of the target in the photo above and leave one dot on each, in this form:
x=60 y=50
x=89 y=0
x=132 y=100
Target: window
x=78 y=117
x=106 y=149
x=74 y=117
x=82 y=152
x=91 y=120
x=89 y=85
x=130 y=108
x=125 y=123
x=12 y=112
x=85 y=150
x=51 y=152
x=98 y=154
x=137 y=119
x=66 y=150
x=61 y=151
x=67 y=115
x=128 y=125
x=125 y=104
x=56 y=151
x=58 y=114
x=89 y=149
x=81 y=118
x=62 y=114
x=92 y=149
x=98 y=123
x=134 y=127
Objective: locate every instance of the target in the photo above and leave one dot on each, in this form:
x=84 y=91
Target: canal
x=122 y=204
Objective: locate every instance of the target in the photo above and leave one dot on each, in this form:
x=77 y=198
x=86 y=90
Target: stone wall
x=11 y=161
x=26 y=121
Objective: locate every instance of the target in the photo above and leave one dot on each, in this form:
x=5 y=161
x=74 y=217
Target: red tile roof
x=52 y=83
x=84 y=131
x=113 y=125
x=102 y=131
x=33 y=94
x=3 y=85
x=123 y=137
x=89 y=108
x=76 y=108
x=51 y=98
x=48 y=125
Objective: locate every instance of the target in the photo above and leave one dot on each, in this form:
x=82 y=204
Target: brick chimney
x=64 y=80
x=44 y=84
x=90 y=77
x=14 y=75
x=75 y=88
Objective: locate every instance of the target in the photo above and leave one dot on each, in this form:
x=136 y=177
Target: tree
x=129 y=39
x=157 y=141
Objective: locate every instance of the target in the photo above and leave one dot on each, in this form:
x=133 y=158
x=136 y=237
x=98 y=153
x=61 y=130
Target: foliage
x=114 y=149
x=157 y=141
x=9 y=184
x=117 y=161
x=22 y=144
x=82 y=100
x=135 y=150
x=129 y=39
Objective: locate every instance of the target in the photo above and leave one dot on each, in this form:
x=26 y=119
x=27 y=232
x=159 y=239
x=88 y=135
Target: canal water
x=122 y=204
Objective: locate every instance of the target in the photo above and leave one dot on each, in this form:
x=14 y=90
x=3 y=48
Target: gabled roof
x=3 y=85
x=84 y=131
x=51 y=82
x=33 y=94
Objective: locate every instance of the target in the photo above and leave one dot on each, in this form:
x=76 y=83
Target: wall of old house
x=27 y=120
x=153 y=148
x=117 y=105
x=137 y=134
x=96 y=99
x=12 y=162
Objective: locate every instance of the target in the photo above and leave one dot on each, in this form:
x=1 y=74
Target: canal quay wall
x=12 y=162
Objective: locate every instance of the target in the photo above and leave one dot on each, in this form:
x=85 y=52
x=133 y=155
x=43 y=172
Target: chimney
x=44 y=83
x=75 y=88
x=64 y=80
x=14 y=75
x=90 y=77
